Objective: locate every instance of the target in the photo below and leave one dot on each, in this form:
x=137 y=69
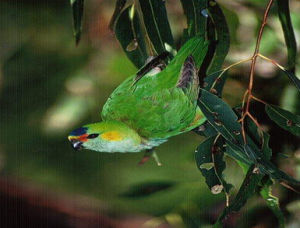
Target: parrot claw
x=147 y=155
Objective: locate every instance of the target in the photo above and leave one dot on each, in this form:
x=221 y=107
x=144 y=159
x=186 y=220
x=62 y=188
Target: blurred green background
x=48 y=87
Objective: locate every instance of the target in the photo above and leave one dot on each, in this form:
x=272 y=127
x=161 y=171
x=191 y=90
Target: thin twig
x=259 y=100
x=271 y=61
x=227 y=68
x=252 y=69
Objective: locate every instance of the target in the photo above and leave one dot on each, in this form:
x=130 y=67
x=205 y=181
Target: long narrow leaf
x=221 y=116
x=289 y=35
x=211 y=37
x=224 y=120
x=77 y=9
x=222 y=37
x=272 y=202
x=129 y=34
x=206 y=129
x=215 y=82
x=120 y=4
x=284 y=119
x=246 y=191
x=194 y=11
x=292 y=77
x=157 y=24
x=209 y=160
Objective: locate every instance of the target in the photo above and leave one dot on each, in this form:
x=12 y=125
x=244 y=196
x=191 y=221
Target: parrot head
x=107 y=136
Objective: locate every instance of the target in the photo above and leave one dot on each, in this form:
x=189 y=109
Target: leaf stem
x=237 y=63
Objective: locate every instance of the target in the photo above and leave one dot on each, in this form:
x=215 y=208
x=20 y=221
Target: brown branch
x=248 y=93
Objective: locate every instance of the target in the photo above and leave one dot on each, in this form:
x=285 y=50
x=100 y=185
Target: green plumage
x=148 y=108
x=155 y=106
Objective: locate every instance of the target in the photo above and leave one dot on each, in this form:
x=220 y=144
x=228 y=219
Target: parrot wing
x=154 y=62
x=189 y=80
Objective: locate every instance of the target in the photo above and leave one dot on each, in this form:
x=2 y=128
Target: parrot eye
x=92 y=136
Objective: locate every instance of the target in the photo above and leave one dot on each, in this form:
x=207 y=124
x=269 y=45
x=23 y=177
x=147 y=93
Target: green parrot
x=150 y=106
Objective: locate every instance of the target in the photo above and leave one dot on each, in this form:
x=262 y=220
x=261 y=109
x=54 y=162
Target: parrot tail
x=196 y=46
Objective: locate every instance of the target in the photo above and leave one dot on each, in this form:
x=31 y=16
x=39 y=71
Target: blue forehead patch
x=79 y=131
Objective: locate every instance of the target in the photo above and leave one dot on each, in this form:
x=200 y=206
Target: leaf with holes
x=253 y=179
x=246 y=191
x=263 y=164
x=77 y=10
x=284 y=119
x=224 y=120
x=209 y=160
x=221 y=117
x=129 y=34
x=205 y=129
x=215 y=82
x=254 y=140
x=272 y=202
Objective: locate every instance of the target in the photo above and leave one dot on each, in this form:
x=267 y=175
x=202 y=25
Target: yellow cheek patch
x=112 y=136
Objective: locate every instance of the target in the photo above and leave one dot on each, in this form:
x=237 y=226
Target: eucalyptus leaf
x=222 y=36
x=254 y=140
x=221 y=117
x=254 y=179
x=211 y=37
x=146 y=189
x=292 y=77
x=288 y=31
x=215 y=82
x=157 y=24
x=77 y=10
x=194 y=11
x=129 y=34
x=272 y=202
x=120 y=4
x=224 y=120
x=205 y=129
x=267 y=167
x=284 y=119
x=238 y=154
x=266 y=190
x=246 y=191
x=209 y=160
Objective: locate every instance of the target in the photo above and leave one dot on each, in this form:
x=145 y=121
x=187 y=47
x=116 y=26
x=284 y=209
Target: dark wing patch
x=156 y=61
x=188 y=74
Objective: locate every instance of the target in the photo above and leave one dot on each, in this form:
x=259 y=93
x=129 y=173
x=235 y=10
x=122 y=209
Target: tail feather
x=196 y=46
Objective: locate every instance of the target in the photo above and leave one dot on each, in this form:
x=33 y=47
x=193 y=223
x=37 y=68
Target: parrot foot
x=147 y=155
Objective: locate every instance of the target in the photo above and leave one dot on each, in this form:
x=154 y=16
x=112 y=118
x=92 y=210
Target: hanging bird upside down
x=150 y=106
